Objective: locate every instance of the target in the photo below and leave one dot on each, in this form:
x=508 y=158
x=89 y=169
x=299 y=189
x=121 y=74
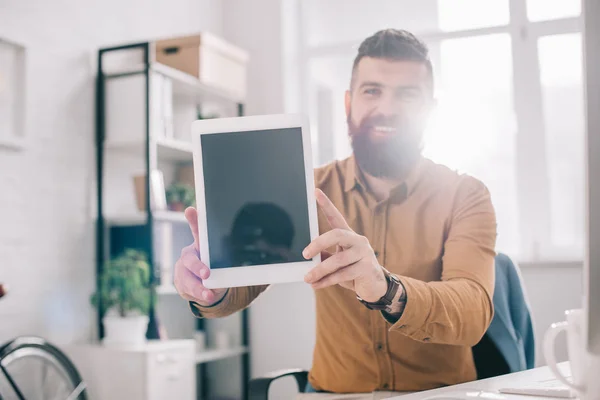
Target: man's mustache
x=372 y=122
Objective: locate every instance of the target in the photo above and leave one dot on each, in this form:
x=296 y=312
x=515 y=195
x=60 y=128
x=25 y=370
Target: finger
x=325 y=255
x=192 y=217
x=334 y=216
x=194 y=288
x=194 y=265
x=332 y=264
x=335 y=237
x=343 y=275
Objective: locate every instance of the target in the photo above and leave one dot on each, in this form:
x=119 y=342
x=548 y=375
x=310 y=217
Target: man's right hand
x=190 y=271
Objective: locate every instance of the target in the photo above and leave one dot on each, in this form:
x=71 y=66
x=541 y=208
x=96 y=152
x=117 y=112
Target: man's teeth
x=385 y=129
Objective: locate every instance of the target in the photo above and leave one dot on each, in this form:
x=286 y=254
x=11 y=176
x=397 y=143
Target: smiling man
x=406 y=282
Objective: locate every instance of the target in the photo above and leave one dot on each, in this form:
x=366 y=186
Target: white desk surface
x=518 y=379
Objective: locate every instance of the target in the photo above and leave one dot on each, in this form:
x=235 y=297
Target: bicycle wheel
x=31 y=369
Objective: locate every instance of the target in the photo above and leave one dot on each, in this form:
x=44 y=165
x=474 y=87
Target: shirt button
x=376 y=254
x=426 y=339
x=386 y=386
x=379 y=346
x=402 y=326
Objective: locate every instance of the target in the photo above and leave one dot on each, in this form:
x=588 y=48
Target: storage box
x=209 y=58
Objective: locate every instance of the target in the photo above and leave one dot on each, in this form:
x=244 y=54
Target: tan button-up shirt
x=437 y=233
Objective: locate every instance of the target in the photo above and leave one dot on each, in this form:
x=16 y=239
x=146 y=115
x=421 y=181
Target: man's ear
x=347 y=101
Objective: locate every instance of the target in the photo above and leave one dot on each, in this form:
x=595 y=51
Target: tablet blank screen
x=256 y=199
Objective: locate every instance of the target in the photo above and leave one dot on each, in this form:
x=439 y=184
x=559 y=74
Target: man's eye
x=372 y=91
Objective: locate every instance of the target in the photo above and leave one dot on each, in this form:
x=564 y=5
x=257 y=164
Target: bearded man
x=406 y=283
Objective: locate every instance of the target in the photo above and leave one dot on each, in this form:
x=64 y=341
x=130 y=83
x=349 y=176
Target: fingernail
x=308 y=277
x=205 y=295
x=204 y=273
x=305 y=253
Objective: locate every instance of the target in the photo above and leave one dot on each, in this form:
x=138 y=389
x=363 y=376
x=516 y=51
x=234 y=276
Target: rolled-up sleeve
x=458 y=309
x=236 y=299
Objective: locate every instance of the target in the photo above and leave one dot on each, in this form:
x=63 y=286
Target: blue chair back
x=509 y=343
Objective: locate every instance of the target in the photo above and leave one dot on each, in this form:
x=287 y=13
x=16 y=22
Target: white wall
x=552 y=289
x=47 y=242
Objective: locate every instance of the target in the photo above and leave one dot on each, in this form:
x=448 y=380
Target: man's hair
x=396 y=45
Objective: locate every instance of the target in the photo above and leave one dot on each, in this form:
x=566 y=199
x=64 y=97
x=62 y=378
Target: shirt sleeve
x=235 y=299
x=458 y=309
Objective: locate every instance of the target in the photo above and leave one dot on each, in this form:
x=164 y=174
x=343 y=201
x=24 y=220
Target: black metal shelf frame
x=144 y=232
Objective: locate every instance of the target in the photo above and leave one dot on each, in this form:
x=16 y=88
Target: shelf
x=166 y=149
x=166 y=289
x=174 y=150
x=189 y=86
x=139 y=218
x=218 y=354
x=184 y=84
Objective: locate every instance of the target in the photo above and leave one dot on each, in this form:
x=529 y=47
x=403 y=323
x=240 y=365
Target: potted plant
x=126 y=295
x=180 y=196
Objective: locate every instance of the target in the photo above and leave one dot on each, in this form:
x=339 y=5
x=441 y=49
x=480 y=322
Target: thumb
x=192 y=218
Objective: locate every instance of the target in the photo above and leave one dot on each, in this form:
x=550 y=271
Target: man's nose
x=389 y=106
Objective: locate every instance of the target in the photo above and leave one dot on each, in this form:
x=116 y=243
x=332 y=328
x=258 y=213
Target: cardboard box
x=158 y=199
x=209 y=58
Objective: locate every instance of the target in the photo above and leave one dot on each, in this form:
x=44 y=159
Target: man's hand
x=189 y=270
x=353 y=266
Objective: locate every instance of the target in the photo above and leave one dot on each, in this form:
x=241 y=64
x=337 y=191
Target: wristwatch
x=386 y=301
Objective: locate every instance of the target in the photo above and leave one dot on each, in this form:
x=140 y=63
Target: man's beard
x=391 y=157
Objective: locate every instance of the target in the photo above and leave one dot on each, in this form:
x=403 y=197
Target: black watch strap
x=385 y=301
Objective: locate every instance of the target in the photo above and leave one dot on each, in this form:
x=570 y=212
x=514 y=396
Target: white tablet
x=255 y=199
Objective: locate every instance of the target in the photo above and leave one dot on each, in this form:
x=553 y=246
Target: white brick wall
x=47 y=240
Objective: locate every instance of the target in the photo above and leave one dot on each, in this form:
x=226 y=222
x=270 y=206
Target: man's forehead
x=391 y=72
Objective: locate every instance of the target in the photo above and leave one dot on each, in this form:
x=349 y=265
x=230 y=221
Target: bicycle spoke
x=11 y=382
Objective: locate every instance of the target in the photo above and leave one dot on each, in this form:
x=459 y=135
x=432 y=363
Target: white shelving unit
x=139 y=218
x=145 y=109
x=167 y=149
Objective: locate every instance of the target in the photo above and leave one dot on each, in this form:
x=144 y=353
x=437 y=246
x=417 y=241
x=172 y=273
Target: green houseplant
x=126 y=295
x=180 y=196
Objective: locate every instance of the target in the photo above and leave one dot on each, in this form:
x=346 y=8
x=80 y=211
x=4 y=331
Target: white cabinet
x=159 y=370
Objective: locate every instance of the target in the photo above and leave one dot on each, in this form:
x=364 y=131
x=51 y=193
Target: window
x=542 y=10
x=510 y=106
x=473 y=126
x=454 y=15
x=560 y=61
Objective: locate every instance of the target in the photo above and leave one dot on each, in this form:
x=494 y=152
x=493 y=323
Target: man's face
x=387 y=108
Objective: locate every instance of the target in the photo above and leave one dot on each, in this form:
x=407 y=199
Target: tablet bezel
x=254 y=274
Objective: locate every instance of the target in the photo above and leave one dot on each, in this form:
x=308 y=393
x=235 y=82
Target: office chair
x=507 y=346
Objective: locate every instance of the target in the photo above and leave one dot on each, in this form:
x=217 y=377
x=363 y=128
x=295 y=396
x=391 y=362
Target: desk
x=518 y=379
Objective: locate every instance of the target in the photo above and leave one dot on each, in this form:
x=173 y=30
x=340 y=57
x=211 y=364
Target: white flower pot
x=127 y=331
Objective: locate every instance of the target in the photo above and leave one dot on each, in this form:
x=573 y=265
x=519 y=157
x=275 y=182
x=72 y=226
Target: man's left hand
x=354 y=264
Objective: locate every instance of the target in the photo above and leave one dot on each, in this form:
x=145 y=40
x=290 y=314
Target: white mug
x=584 y=377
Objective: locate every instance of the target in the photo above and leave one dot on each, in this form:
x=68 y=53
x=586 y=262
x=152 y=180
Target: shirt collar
x=354 y=177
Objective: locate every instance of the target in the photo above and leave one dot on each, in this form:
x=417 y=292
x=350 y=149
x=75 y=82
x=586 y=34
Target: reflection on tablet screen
x=256 y=199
